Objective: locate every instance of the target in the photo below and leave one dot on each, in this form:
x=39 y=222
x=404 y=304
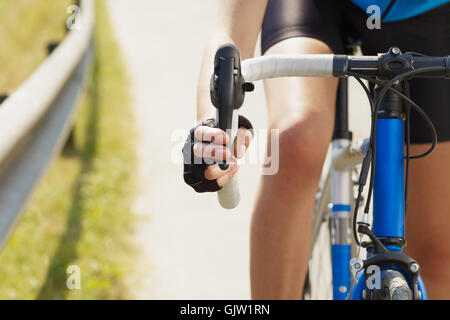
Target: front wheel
x=396 y=286
x=393 y=287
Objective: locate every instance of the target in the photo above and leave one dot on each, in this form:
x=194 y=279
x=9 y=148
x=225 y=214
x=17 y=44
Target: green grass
x=80 y=213
x=26 y=27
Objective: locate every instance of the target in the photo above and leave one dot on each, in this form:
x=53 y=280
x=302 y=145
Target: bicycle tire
x=395 y=286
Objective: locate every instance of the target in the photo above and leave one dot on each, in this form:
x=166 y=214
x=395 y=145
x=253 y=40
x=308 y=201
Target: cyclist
x=303 y=110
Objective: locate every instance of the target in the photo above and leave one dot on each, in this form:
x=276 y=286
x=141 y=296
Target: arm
x=239 y=22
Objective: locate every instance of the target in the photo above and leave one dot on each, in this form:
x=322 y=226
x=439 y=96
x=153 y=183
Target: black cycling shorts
x=332 y=21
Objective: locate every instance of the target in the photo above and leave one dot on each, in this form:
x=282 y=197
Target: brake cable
x=370 y=156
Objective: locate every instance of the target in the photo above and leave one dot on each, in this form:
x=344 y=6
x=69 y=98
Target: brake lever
x=227 y=91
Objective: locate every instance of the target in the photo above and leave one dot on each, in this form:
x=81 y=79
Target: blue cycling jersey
x=401 y=9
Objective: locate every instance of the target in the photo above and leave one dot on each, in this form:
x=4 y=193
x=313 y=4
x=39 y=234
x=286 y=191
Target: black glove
x=194 y=167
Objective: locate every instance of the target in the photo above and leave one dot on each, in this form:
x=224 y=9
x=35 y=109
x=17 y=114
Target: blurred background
x=111 y=200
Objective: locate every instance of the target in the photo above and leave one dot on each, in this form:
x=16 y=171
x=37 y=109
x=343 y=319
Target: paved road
x=190 y=248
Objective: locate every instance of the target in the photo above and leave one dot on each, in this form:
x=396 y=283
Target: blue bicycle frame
x=388 y=199
x=389 y=193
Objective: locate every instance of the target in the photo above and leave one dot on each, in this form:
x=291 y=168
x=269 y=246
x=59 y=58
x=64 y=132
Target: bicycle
x=384 y=237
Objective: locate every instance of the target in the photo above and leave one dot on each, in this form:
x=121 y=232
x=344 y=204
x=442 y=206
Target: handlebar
x=228 y=84
x=384 y=66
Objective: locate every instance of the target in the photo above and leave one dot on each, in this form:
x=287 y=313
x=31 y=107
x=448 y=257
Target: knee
x=302 y=148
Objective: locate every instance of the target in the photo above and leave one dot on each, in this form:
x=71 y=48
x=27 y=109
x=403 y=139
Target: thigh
x=317 y=19
x=303 y=104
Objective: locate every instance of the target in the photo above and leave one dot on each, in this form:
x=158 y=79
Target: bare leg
x=303 y=110
x=428 y=218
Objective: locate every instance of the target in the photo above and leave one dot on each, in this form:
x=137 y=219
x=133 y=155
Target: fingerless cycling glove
x=194 y=167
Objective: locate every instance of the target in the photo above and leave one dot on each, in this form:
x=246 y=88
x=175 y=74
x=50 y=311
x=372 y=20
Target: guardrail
x=36 y=119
